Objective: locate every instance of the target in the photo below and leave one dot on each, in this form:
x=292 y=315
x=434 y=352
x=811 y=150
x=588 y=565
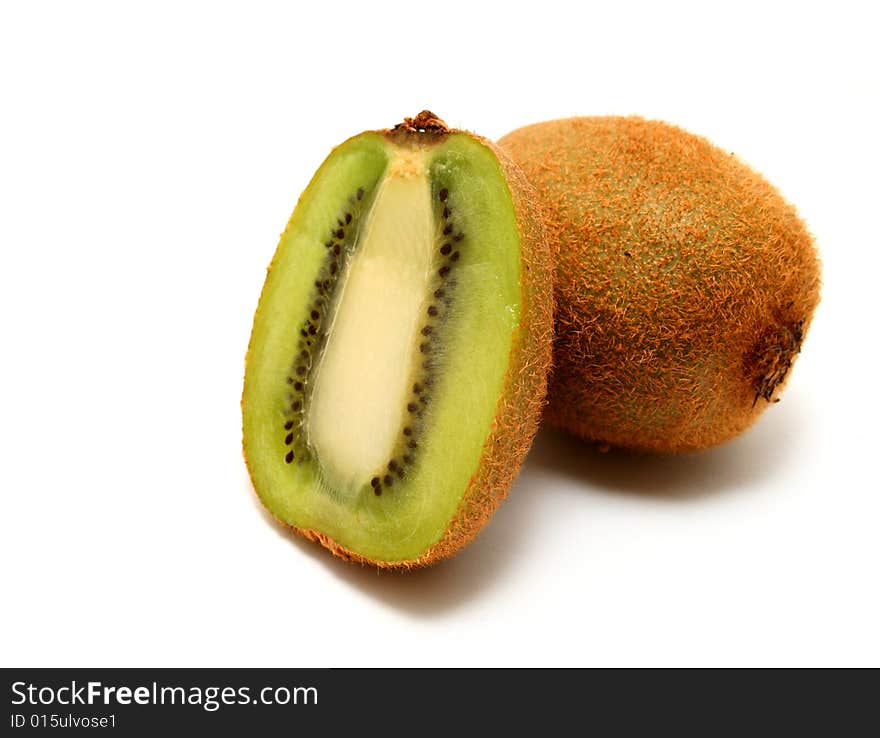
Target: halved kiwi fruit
x=397 y=366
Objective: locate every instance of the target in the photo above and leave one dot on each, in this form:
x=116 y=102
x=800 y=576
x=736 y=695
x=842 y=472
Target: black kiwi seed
x=298 y=386
x=303 y=354
x=288 y=439
x=289 y=457
x=388 y=480
x=374 y=481
x=446 y=231
x=426 y=331
x=445 y=248
x=425 y=348
x=392 y=465
x=417 y=388
x=407 y=459
x=312 y=330
x=332 y=267
x=296 y=406
x=407 y=431
x=432 y=311
x=328 y=245
x=288 y=425
x=412 y=407
x=360 y=193
x=455 y=256
x=444 y=193
x=413 y=444
x=300 y=370
x=340 y=233
x=347 y=218
x=444 y=270
x=315 y=315
x=439 y=293
x=336 y=250
x=445 y=212
x=458 y=237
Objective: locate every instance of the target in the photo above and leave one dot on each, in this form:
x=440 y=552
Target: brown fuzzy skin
x=685 y=283
x=525 y=384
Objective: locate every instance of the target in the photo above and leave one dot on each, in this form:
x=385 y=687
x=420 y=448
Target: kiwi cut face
x=383 y=345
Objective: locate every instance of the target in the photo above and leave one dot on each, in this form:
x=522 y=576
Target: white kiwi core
x=365 y=373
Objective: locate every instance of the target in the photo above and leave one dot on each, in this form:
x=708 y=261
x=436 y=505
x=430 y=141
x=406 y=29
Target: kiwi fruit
x=397 y=366
x=685 y=283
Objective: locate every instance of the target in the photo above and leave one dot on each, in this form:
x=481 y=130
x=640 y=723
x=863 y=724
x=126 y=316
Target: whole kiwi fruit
x=398 y=362
x=685 y=283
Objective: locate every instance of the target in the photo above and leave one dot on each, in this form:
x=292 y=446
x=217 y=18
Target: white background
x=151 y=153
